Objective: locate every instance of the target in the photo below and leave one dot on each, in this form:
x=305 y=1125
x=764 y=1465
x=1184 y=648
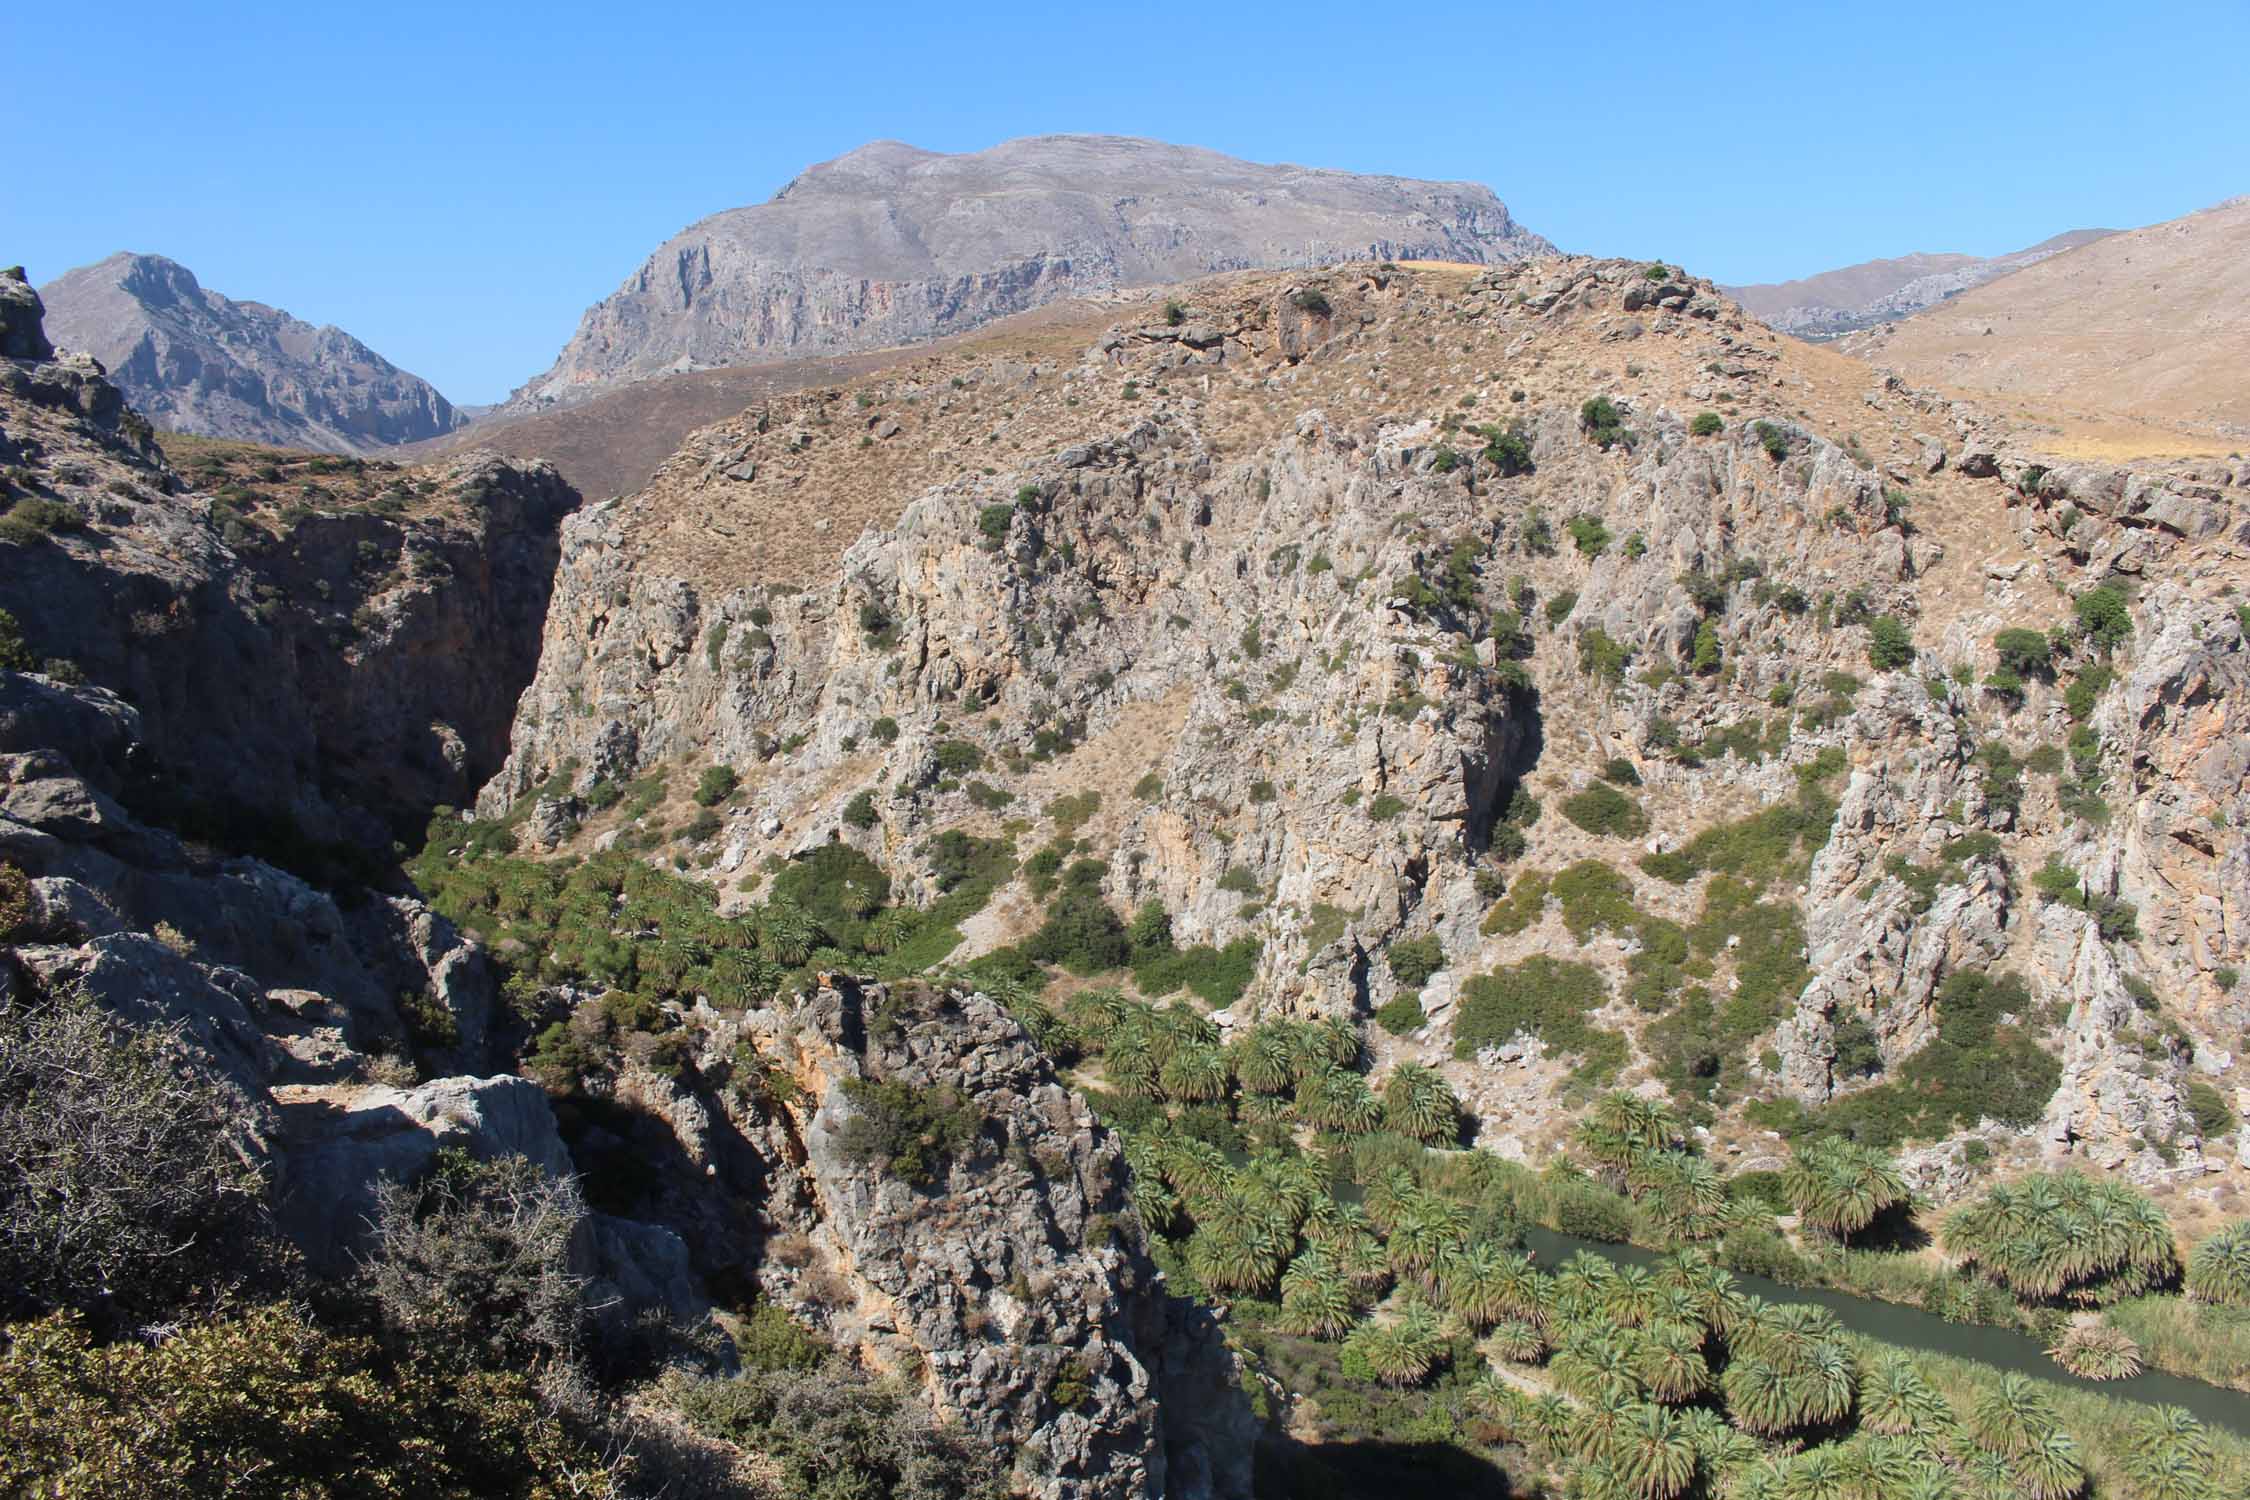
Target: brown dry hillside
x=611 y=444
x=2150 y=326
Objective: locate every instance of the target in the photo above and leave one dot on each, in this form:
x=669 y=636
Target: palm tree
x=1651 y=1454
x=2096 y=1351
x=1131 y=1067
x=2009 y=1416
x=2050 y=1469
x=1517 y=1341
x=1194 y=1075
x=1632 y=1297
x=1819 y=1474
x=1418 y=1104
x=2219 y=1271
x=1672 y=1365
x=1333 y=1040
x=2168 y=1456
x=788 y=932
x=1760 y=1398
x=1840 y=1187
x=1829 y=1384
x=1318 y=1305
x=1894 y=1399
x=1266 y=1061
x=1425 y=1228
x=1474 y=1282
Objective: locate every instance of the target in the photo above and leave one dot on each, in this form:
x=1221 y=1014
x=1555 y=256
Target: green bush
x=1402 y=1015
x=1601 y=421
x=860 y=811
x=1889 y=646
x=1218 y=976
x=912 y=1133
x=994 y=520
x=831 y=1435
x=1507 y=451
x=1542 y=997
x=716 y=785
x=1606 y=812
x=1974 y=1068
x=1706 y=424
x=266 y=1405
x=1589 y=535
x=2026 y=653
x=2103 y=616
x=1773 y=439
x=1414 y=960
x=16 y=654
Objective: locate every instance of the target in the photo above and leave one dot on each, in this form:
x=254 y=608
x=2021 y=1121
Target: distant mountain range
x=1877 y=291
x=890 y=244
x=2151 y=324
x=194 y=361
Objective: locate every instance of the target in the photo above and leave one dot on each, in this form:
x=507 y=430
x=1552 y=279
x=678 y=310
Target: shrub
x=1559 y=607
x=1602 y=658
x=1385 y=807
x=1974 y=1068
x=473 y=1263
x=2026 y=653
x=16 y=654
x=265 y=1403
x=860 y=811
x=1604 y=811
x=1444 y=460
x=1600 y=420
x=958 y=757
x=1309 y=300
x=1402 y=1015
x=1507 y=451
x=994 y=520
x=716 y=785
x=1773 y=439
x=829 y=1434
x=127 y=1189
x=1219 y=976
x=1620 y=771
x=1588 y=534
x=2103 y=616
x=912 y=1133
x=1414 y=960
x=1888 y=644
x=32 y=520
x=1541 y=997
x=1706 y=424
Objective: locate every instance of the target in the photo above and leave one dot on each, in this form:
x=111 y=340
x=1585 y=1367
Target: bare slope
x=1835 y=302
x=2153 y=324
x=891 y=245
x=191 y=360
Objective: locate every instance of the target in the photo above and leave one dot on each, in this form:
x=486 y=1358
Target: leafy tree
x=1889 y=646
x=2103 y=616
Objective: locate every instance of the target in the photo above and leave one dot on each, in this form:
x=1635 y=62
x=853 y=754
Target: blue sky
x=454 y=184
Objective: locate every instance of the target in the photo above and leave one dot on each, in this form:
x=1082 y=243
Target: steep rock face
x=330 y=678
x=1301 y=739
x=1019 y=1274
x=893 y=245
x=193 y=361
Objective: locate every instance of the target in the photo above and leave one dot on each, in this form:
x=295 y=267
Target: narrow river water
x=1912 y=1328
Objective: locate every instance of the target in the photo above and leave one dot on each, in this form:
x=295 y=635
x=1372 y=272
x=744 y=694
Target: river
x=1912 y=1328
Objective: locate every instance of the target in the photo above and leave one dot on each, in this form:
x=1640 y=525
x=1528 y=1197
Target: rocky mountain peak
x=194 y=361
x=891 y=244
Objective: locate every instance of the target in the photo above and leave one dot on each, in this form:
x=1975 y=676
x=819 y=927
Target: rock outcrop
x=325 y=675
x=193 y=361
x=893 y=245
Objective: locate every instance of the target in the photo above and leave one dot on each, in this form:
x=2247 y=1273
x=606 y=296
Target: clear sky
x=455 y=183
